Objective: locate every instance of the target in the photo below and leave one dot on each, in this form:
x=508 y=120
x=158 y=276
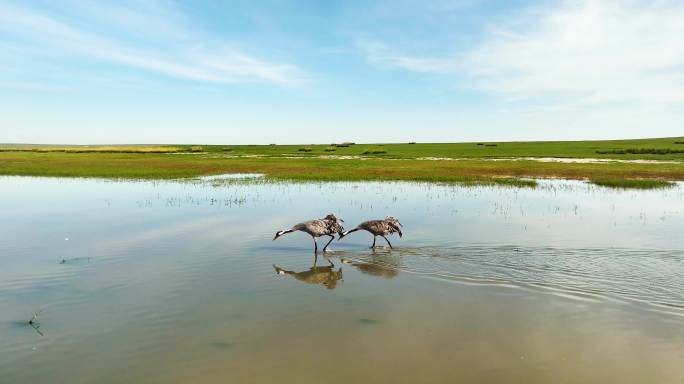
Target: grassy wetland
x=163 y=253
x=643 y=163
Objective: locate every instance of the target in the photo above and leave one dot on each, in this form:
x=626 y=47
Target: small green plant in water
x=633 y=183
x=367 y=321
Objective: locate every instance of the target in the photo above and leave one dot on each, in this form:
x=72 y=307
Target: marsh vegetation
x=467 y=163
x=634 y=183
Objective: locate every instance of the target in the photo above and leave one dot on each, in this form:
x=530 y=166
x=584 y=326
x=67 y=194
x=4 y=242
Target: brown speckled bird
x=377 y=228
x=326 y=226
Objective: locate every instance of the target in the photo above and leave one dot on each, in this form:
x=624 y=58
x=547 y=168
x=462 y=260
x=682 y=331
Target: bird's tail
x=395 y=228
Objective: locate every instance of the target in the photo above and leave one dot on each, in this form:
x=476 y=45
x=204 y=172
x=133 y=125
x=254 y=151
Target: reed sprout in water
x=634 y=183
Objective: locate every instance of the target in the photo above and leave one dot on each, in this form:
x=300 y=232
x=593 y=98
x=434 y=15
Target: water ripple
x=651 y=277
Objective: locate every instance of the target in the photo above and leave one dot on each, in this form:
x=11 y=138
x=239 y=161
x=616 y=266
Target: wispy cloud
x=591 y=51
x=176 y=50
x=583 y=52
x=383 y=55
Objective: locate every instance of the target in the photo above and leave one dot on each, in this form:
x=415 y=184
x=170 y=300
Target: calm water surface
x=176 y=282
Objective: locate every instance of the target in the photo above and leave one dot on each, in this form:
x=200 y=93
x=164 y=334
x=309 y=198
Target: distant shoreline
x=643 y=163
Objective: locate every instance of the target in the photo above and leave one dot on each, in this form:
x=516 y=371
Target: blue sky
x=329 y=71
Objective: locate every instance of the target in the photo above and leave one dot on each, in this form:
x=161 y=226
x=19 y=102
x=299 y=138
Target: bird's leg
x=325 y=249
x=373 y=246
x=327 y=258
x=388 y=243
x=315 y=246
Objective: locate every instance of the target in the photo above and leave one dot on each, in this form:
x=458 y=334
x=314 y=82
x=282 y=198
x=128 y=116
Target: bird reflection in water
x=326 y=276
x=377 y=265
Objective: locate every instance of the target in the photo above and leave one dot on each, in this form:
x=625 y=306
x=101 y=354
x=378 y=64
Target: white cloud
x=589 y=51
x=574 y=53
x=177 y=50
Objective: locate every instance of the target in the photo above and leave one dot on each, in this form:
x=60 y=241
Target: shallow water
x=175 y=282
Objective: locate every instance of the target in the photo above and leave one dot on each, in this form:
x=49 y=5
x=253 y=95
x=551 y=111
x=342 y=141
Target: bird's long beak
x=400 y=224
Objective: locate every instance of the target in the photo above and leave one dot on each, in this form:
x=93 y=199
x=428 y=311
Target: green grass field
x=488 y=163
x=564 y=149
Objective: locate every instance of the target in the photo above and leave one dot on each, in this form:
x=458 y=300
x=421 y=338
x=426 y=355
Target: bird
x=326 y=226
x=387 y=226
x=326 y=276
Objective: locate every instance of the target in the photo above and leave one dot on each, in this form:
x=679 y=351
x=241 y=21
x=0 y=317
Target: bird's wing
x=316 y=226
